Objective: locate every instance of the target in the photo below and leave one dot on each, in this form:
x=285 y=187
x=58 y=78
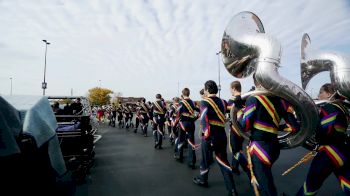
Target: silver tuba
x=246 y=49
x=313 y=62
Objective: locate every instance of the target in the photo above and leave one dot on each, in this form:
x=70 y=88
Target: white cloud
x=144 y=47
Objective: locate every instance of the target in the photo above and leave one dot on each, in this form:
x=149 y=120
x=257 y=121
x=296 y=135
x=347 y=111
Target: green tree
x=99 y=96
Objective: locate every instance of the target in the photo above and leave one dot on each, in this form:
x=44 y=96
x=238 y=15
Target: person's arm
x=171 y=113
x=195 y=107
x=325 y=124
x=246 y=120
x=204 y=120
x=178 y=114
x=292 y=124
x=230 y=104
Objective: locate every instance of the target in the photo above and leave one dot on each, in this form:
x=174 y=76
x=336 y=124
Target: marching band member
x=236 y=140
x=131 y=116
x=214 y=138
x=150 y=114
x=126 y=112
x=168 y=121
x=262 y=116
x=138 y=116
x=114 y=115
x=172 y=113
x=185 y=118
x=120 y=115
x=158 y=121
x=333 y=153
x=144 y=116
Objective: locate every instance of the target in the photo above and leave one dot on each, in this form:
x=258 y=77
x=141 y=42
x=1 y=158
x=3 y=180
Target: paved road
x=127 y=164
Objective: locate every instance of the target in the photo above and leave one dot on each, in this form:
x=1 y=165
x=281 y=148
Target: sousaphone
x=247 y=49
x=314 y=62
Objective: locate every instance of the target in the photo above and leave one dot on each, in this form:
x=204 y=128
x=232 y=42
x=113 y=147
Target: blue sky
x=141 y=48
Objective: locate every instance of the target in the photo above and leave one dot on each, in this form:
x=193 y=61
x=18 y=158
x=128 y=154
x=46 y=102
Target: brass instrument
x=313 y=62
x=246 y=49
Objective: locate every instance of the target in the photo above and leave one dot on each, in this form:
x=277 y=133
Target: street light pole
x=11 y=86
x=44 y=84
x=219 y=86
x=178 y=89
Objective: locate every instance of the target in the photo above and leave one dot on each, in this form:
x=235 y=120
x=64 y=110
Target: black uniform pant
x=190 y=128
x=158 y=129
x=238 y=158
x=144 y=123
x=263 y=155
x=179 y=142
x=186 y=133
x=217 y=142
x=137 y=122
x=169 y=127
x=174 y=130
x=126 y=119
x=112 y=121
x=328 y=160
x=131 y=116
x=120 y=120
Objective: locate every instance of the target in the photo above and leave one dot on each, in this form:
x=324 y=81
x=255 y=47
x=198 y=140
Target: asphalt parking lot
x=128 y=164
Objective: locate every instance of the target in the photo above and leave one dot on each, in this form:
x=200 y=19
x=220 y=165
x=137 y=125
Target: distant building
x=130 y=100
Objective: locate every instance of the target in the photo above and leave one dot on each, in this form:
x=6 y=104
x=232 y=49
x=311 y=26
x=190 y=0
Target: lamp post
x=178 y=89
x=219 y=86
x=11 y=86
x=44 y=84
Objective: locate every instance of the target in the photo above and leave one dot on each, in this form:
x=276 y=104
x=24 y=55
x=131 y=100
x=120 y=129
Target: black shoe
x=192 y=166
x=160 y=147
x=156 y=145
x=135 y=130
x=232 y=193
x=177 y=157
x=200 y=182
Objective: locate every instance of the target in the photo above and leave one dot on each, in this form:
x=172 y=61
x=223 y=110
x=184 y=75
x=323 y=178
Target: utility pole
x=44 y=84
x=219 y=86
x=11 y=87
x=178 y=88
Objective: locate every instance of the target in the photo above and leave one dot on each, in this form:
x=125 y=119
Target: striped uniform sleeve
x=196 y=108
x=171 y=112
x=178 y=114
x=204 y=120
x=291 y=122
x=327 y=121
x=249 y=114
x=230 y=104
